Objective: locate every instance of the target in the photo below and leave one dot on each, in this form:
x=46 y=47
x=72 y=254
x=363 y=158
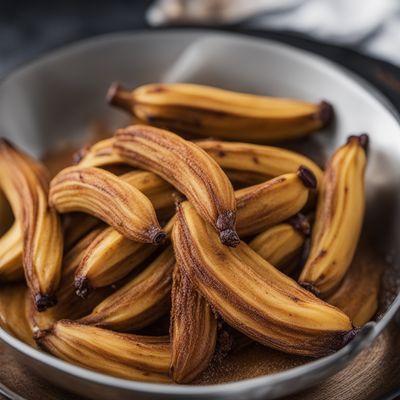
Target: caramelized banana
x=25 y=184
x=14 y=305
x=109 y=258
x=253 y=296
x=11 y=255
x=209 y=111
x=141 y=301
x=358 y=294
x=193 y=330
x=266 y=161
x=188 y=168
x=109 y=198
x=282 y=243
x=339 y=217
x=271 y=202
x=142 y=358
x=69 y=305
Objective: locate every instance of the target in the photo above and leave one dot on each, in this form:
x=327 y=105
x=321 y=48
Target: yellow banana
x=14 y=305
x=283 y=243
x=110 y=257
x=266 y=161
x=11 y=255
x=68 y=304
x=271 y=202
x=339 y=217
x=142 y=358
x=209 y=111
x=109 y=198
x=253 y=296
x=159 y=192
x=25 y=184
x=193 y=330
x=139 y=302
x=100 y=154
x=358 y=294
x=188 y=168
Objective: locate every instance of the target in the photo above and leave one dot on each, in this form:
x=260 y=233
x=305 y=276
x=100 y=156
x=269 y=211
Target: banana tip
x=118 y=96
x=325 y=113
x=301 y=223
x=158 y=237
x=80 y=154
x=229 y=237
x=362 y=139
x=307 y=177
x=44 y=301
x=311 y=288
x=82 y=286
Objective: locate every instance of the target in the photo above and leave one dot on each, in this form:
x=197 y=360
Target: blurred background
x=31 y=28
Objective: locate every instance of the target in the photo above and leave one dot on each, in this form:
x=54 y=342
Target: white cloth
x=371 y=26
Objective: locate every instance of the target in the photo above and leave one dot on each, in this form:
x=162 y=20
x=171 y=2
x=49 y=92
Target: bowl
x=56 y=99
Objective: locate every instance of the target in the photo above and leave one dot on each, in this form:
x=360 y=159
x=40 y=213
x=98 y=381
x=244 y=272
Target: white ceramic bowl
x=59 y=96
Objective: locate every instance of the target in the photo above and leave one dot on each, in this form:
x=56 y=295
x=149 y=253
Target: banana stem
x=119 y=96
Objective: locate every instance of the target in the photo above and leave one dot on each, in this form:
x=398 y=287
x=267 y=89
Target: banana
x=209 y=111
x=25 y=184
x=159 y=192
x=69 y=306
x=142 y=358
x=339 y=217
x=283 y=243
x=188 y=168
x=358 y=294
x=264 y=205
x=141 y=301
x=14 y=301
x=193 y=330
x=253 y=296
x=109 y=258
x=241 y=179
x=100 y=154
x=266 y=161
x=109 y=198
x=11 y=255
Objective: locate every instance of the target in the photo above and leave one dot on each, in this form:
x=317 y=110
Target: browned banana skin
x=358 y=294
x=141 y=301
x=193 y=330
x=134 y=357
x=258 y=161
x=271 y=202
x=15 y=302
x=25 y=183
x=208 y=111
x=275 y=312
x=188 y=168
x=101 y=265
x=109 y=198
x=69 y=305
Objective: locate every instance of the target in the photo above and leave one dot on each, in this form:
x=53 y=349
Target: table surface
x=374 y=373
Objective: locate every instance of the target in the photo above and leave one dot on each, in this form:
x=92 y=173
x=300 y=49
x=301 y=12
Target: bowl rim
x=368 y=333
